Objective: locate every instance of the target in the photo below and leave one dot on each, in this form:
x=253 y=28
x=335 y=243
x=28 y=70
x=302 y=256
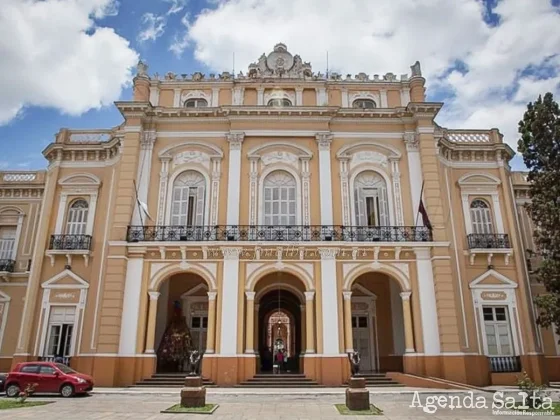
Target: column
x=407 y=317
x=249 y=331
x=329 y=297
x=62 y=203
x=177 y=98
x=230 y=291
x=321 y=96
x=405 y=96
x=428 y=308
x=299 y=96
x=131 y=302
x=345 y=103
x=309 y=323
x=234 y=178
x=154 y=95
x=143 y=175
x=256 y=329
x=303 y=332
x=414 y=171
x=324 y=141
x=348 y=341
x=260 y=96
x=211 y=331
x=215 y=97
x=151 y=330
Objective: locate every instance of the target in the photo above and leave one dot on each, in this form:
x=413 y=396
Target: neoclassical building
x=274 y=209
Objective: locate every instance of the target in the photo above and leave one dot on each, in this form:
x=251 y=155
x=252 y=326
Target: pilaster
x=230 y=289
x=324 y=141
x=235 y=140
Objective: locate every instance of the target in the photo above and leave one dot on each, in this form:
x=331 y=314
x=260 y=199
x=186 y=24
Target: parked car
x=50 y=378
x=2 y=381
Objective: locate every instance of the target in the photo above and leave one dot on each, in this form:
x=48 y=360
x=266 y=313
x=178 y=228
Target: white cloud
x=153 y=27
x=381 y=36
x=176 y=6
x=53 y=55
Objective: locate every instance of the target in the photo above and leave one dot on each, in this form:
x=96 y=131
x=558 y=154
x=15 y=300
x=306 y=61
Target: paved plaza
x=235 y=406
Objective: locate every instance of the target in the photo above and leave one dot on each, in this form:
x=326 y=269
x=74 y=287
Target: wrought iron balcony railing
x=488 y=240
x=499 y=364
x=70 y=242
x=7 y=266
x=280 y=233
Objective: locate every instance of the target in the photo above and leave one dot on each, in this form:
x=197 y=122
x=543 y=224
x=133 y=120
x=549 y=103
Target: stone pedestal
x=357 y=396
x=194 y=393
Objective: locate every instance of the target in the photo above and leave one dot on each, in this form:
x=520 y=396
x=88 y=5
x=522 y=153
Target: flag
x=424 y=213
x=144 y=207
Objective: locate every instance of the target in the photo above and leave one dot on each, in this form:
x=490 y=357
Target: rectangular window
x=497 y=330
x=7 y=241
x=60 y=331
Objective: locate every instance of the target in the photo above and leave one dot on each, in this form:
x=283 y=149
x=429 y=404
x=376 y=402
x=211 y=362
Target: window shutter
x=199 y=220
x=383 y=208
x=360 y=208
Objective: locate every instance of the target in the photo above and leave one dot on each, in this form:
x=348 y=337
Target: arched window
x=371 y=205
x=279 y=199
x=364 y=104
x=279 y=102
x=187 y=206
x=77 y=218
x=480 y=217
x=196 y=103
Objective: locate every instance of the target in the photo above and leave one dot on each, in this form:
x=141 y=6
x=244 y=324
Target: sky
x=64 y=62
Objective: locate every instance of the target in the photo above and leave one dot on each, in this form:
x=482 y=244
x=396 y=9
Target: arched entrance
x=375 y=325
x=280 y=321
x=181 y=321
x=279 y=330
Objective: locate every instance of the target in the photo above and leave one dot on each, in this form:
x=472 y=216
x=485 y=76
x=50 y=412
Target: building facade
x=276 y=209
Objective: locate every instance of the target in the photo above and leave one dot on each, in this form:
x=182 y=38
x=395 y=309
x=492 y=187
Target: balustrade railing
x=280 y=233
x=500 y=364
x=70 y=242
x=488 y=240
x=7 y=266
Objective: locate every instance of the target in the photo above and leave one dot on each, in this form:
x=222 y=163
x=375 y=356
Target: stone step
x=284 y=385
x=554 y=384
x=279 y=375
x=280 y=380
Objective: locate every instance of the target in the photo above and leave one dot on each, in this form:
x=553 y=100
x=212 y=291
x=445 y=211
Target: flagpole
x=418 y=209
x=138 y=203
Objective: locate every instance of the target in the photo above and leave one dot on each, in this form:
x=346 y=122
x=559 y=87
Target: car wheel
x=67 y=390
x=12 y=391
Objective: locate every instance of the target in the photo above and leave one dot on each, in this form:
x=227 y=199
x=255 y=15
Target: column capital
x=302 y=308
x=309 y=295
x=299 y=88
x=347 y=294
x=324 y=140
x=422 y=253
x=328 y=253
x=148 y=139
x=412 y=140
x=235 y=139
x=212 y=295
x=231 y=253
x=250 y=295
x=154 y=295
x=405 y=295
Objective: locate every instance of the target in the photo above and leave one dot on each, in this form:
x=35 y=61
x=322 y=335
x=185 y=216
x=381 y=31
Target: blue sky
x=66 y=61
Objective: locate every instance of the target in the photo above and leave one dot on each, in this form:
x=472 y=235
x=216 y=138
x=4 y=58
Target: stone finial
x=415 y=69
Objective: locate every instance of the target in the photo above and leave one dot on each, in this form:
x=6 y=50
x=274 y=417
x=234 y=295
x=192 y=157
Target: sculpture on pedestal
x=354 y=359
x=194 y=361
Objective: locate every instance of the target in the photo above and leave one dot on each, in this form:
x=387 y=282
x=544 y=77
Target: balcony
x=501 y=364
x=7 y=266
x=488 y=240
x=489 y=244
x=279 y=233
x=69 y=245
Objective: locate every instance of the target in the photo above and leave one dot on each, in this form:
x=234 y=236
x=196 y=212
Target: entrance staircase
x=281 y=380
x=168 y=380
x=378 y=380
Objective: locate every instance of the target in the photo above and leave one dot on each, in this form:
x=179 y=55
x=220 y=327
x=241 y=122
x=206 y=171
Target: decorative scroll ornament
x=279 y=157
x=368 y=156
x=280 y=63
x=192 y=156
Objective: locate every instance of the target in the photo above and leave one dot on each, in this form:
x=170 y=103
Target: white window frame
x=495 y=323
x=19 y=225
x=503 y=294
x=189 y=299
x=196 y=103
x=363 y=100
x=196 y=198
x=264 y=174
x=207 y=187
x=279 y=200
x=485 y=215
x=390 y=198
x=72 y=190
x=72 y=212
x=50 y=326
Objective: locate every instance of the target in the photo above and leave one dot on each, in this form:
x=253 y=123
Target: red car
x=49 y=377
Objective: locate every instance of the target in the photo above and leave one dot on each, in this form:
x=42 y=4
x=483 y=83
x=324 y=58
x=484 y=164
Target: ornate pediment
x=280 y=63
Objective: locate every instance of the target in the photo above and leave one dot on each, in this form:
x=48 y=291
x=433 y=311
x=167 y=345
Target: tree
x=540 y=147
x=176 y=342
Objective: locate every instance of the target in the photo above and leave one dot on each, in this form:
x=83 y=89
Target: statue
x=354 y=359
x=194 y=360
x=415 y=69
x=141 y=68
